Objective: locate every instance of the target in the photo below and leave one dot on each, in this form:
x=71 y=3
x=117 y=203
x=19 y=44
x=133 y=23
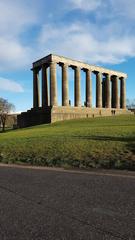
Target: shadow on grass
x=129 y=140
x=7 y=130
x=107 y=138
x=131 y=147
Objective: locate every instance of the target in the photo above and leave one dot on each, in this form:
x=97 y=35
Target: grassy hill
x=107 y=142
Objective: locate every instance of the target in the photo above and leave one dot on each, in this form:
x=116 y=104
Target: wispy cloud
x=13 y=54
x=85 y=5
x=123 y=8
x=108 y=37
x=10 y=85
x=15 y=20
x=16 y=16
x=77 y=42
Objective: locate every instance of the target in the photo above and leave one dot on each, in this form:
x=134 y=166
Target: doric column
x=122 y=93
x=103 y=92
x=116 y=94
x=44 y=87
x=88 y=89
x=53 y=84
x=107 y=92
x=36 y=94
x=77 y=87
x=99 y=90
x=112 y=93
x=65 y=98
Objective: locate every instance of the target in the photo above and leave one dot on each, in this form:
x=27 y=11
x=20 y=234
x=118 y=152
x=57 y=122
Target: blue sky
x=100 y=32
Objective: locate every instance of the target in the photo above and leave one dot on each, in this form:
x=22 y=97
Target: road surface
x=45 y=204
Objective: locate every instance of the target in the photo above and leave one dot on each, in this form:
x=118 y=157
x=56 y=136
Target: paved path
x=47 y=204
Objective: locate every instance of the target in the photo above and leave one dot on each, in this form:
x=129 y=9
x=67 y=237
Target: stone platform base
x=53 y=114
x=132 y=110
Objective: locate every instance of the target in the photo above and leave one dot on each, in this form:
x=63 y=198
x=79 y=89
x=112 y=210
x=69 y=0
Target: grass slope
x=107 y=142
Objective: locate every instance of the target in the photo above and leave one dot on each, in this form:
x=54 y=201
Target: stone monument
x=110 y=100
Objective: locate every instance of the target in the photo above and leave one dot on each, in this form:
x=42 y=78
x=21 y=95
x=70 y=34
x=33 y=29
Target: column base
x=53 y=114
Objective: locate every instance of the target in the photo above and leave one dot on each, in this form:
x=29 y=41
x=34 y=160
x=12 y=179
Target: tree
x=5 y=109
x=130 y=103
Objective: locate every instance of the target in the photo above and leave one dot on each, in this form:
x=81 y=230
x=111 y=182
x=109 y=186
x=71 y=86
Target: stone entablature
x=73 y=63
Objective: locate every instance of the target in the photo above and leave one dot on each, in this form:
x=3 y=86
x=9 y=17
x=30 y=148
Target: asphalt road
x=44 y=204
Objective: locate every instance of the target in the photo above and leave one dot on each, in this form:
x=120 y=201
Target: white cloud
x=107 y=7
x=124 y=8
x=86 y=5
x=16 y=16
x=15 y=19
x=78 y=42
x=10 y=85
x=110 y=39
x=13 y=54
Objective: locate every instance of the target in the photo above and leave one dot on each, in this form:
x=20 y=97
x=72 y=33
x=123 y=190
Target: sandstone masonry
x=109 y=101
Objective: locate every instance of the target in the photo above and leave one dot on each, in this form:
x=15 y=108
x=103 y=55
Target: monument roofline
x=75 y=63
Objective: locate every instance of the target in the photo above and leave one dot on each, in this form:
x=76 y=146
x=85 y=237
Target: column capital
x=45 y=65
x=97 y=73
x=88 y=70
x=77 y=67
x=114 y=77
x=62 y=64
x=107 y=74
x=122 y=78
x=36 y=69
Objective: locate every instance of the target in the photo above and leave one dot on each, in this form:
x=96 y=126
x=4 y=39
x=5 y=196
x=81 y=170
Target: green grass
x=107 y=142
